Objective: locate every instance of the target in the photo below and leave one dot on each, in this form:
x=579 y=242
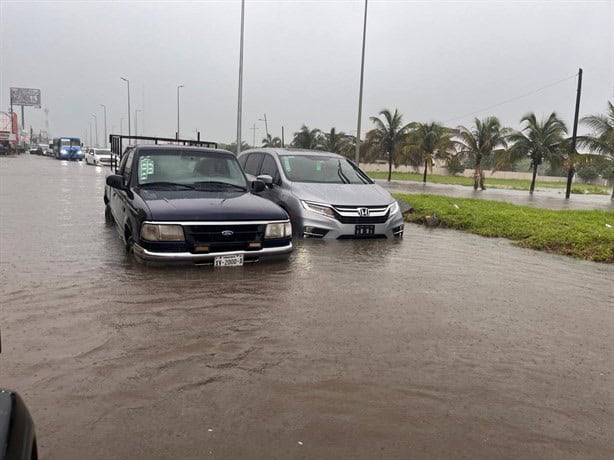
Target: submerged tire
x=108 y=217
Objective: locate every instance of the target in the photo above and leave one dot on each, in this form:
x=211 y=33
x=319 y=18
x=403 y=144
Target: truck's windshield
x=203 y=169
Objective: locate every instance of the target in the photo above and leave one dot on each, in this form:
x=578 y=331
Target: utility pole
x=240 y=98
x=47 y=120
x=282 y=137
x=266 y=126
x=253 y=128
x=105 y=125
x=362 y=75
x=89 y=143
x=572 y=169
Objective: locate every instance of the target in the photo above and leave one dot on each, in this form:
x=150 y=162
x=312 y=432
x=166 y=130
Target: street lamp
x=96 y=128
x=128 y=82
x=180 y=86
x=136 y=120
x=104 y=107
x=266 y=126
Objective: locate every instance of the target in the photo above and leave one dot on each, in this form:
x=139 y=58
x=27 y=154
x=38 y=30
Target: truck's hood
x=195 y=205
x=342 y=194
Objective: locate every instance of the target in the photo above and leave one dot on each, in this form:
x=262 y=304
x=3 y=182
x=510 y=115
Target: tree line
x=486 y=142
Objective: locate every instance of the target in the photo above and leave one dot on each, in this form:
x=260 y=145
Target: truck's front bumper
x=195 y=258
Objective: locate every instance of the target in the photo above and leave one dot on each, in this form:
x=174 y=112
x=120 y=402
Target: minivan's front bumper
x=195 y=258
x=313 y=225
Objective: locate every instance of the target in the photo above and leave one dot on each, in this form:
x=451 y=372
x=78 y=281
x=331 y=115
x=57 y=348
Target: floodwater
x=542 y=198
x=442 y=345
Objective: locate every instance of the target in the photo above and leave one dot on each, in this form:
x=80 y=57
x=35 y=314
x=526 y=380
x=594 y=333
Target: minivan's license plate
x=228 y=261
x=364 y=230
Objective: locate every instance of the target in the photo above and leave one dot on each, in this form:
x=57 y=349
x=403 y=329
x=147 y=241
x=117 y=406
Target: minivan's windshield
x=189 y=169
x=322 y=169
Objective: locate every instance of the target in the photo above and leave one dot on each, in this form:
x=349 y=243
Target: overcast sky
x=432 y=60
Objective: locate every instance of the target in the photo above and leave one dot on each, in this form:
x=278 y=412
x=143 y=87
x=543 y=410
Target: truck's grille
x=221 y=237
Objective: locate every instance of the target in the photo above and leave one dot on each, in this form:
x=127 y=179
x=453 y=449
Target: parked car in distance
x=98 y=157
x=193 y=205
x=325 y=194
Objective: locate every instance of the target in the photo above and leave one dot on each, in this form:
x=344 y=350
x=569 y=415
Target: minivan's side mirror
x=116 y=181
x=268 y=180
x=17 y=435
x=258 y=186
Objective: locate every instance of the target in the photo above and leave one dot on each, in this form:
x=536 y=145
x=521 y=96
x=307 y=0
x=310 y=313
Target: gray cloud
x=431 y=60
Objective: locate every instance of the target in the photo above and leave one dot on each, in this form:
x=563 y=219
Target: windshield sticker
x=287 y=164
x=146 y=168
x=318 y=166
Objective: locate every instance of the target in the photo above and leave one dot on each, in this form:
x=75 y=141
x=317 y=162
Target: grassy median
x=583 y=234
x=493 y=182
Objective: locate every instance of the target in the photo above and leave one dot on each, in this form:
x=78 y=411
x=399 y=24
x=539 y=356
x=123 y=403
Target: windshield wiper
x=213 y=182
x=342 y=176
x=166 y=184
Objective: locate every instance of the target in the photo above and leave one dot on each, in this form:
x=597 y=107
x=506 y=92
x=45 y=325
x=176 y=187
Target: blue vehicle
x=67 y=148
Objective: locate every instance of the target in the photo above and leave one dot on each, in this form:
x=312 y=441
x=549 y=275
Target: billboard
x=26 y=96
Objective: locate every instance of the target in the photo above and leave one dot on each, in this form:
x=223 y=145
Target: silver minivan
x=325 y=194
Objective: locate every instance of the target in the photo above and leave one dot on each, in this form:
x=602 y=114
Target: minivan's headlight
x=318 y=208
x=63 y=151
x=278 y=230
x=394 y=208
x=162 y=232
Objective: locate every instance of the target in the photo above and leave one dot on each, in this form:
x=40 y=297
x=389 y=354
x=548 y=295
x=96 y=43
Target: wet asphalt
x=442 y=345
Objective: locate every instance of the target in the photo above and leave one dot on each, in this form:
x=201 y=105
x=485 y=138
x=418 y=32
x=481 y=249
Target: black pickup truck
x=186 y=204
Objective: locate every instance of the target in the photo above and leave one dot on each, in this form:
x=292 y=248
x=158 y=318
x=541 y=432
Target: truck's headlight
x=63 y=151
x=318 y=208
x=278 y=230
x=162 y=232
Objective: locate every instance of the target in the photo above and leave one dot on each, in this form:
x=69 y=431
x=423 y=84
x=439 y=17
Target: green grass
x=512 y=184
x=581 y=234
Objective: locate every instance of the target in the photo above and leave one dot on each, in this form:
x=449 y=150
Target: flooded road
x=542 y=198
x=442 y=345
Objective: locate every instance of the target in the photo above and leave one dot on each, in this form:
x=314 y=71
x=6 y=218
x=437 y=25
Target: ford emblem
x=227 y=233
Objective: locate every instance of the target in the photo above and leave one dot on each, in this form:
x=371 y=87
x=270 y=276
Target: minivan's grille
x=361 y=214
x=224 y=237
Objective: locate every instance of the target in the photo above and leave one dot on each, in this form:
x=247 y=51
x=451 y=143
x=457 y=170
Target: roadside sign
x=26 y=96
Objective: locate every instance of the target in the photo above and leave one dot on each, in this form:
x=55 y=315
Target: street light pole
x=362 y=74
x=178 y=87
x=96 y=128
x=136 y=122
x=128 y=82
x=240 y=98
x=105 y=124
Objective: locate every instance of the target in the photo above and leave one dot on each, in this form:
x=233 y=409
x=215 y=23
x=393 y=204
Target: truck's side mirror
x=258 y=186
x=116 y=181
x=17 y=435
x=268 y=180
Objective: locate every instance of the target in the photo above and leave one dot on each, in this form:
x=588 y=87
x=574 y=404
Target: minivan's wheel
x=108 y=217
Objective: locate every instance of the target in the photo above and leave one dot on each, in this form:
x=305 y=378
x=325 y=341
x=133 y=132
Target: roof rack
x=117 y=149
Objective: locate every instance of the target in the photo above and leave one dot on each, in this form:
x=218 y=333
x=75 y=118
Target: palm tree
x=602 y=139
x=426 y=141
x=306 y=138
x=479 y=143
x=388 y=135
x=269 y=141
x=333 y=141
x=539 y=140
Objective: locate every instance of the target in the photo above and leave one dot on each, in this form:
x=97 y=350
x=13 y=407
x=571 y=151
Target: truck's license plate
x=228 y=261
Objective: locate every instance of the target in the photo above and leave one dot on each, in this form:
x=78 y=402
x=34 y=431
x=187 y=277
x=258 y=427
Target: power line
x=512 y=99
